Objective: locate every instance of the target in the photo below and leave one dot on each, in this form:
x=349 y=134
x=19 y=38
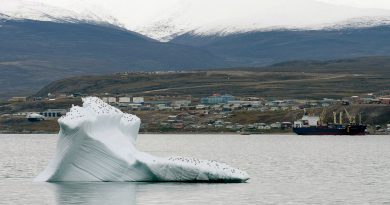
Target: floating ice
x=97 y=143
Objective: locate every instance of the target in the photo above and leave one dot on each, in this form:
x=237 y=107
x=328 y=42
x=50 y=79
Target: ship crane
x=322 y=116
x=352 y=119
x=334 y=118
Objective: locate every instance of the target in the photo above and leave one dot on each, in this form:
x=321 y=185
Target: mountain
x=267 y=47
x=44 y=40
x=34 y=53
x=163 y=20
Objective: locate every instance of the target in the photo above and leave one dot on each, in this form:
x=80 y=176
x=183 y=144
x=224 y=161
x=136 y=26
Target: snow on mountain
x=35 y=10
x=165 y=19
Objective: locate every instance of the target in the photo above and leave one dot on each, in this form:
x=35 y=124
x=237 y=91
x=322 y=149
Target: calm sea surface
x=284 y=169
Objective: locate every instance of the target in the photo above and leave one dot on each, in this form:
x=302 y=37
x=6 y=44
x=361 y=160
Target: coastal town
x=217 y=113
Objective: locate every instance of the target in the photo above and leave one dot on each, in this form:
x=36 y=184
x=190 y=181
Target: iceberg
x=97 y=143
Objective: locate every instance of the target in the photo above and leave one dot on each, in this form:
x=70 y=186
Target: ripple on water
x=283 y=169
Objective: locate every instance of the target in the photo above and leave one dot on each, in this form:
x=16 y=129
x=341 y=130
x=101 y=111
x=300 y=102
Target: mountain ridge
x=264 y=48
x=34 y=53
x=170 y=18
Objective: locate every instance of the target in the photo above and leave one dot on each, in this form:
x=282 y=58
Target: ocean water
x=284 y=169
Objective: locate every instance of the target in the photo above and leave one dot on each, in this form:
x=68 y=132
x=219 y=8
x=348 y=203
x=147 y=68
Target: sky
x=378 y=4
x=163 y=18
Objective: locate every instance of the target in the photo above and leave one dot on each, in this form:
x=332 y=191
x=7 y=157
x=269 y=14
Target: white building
x=124 y=100
x=276 y=125
x=111 y=99
x=138 y=100
x=181 y=103
x=201 y=107
x=53 y=113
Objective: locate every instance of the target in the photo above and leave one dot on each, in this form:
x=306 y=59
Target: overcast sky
x=380 y=4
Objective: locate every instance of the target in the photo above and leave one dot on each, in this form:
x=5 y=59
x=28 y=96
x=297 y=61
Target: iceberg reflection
x=94 y=193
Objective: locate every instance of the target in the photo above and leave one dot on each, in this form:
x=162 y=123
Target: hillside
x=34 y=53
x=268 y=47
x=298 y=79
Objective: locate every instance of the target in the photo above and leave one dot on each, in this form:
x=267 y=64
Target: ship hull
x=348 y=130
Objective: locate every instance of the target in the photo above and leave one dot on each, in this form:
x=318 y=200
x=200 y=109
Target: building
x=385 y=100
x=124 y=100
x=286 y=125
x=178 y=125
x=276 y=125
x=138 y=100
x=201 y=107
x=163 y=106
x=134 y=106
x=181 y=103
x=111 y=99
x=53 y=113
x=245 y=103
x=217 y=99
x=18 y=99
x=251 y=99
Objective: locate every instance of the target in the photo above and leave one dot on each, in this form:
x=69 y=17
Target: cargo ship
x=313 y=125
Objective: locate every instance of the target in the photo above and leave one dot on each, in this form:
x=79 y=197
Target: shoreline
x=192 y=133
x=178 y=133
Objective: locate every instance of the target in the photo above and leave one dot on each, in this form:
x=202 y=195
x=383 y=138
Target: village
x=215 y=113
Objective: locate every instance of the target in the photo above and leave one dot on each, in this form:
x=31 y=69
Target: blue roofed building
x=217 y=99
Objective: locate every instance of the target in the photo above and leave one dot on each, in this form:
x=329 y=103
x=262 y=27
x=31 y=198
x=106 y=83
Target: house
x=327 y=101
x=276 y=125
x=201 y=107
x=139 y=100
x=265 y=127
x=124 y=100
x=274 y=108
x=181 y=103
x=251 y=99
x=134 y=106
x=111 y=100
x=157 y=103
x=245 y=103
x=217 y=99
x=285 y=125
x=178 y=125
x=385 y=100
x=53 y=113
x=18 y=99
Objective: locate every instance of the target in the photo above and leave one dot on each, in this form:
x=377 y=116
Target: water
x=285 y=169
